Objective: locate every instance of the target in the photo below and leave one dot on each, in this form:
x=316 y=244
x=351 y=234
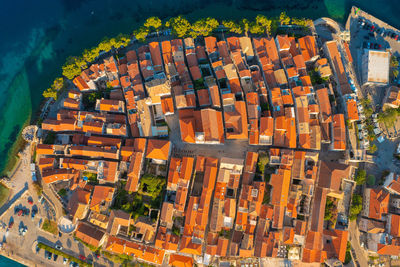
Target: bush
x=361 y=177
x=371 y=180
x=348 y=253
x=372 y=149
x=38 y=188
x=356 y=206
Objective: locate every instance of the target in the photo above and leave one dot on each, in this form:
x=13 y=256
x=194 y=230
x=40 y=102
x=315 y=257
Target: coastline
x=16 y=258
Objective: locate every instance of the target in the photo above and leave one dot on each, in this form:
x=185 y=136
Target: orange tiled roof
x=158 y=149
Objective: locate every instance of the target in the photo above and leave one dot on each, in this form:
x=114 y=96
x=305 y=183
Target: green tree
x=154 y=23
x=255 y=28
x=180 y=26
x=284 y=19
x=372 y=149
x=245 y=25
x=141 y=33
x=203 y=27
x=395 y=73
x=232 y=26
x=394 y=63
x=361 y=177
x=264 y=22
x=356 y=206
x=388 y=117
x=71 y=69
x=50 y=93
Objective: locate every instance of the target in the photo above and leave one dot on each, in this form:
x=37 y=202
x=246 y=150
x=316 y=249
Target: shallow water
x=37 y=36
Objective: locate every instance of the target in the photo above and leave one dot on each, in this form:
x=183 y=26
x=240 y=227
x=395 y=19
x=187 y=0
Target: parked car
x=49 y=255
x=81 y=257
x=10 y=225
x=37 y=249
x=55 y=257
x=65 y=260
x=59 y=247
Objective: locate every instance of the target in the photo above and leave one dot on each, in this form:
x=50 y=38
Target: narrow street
x=361 y=257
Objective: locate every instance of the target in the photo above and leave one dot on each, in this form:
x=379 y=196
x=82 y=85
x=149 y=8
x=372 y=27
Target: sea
x=38 y=36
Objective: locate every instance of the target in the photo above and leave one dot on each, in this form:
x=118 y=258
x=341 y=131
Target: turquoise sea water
x=37 y=36
x=6 y=262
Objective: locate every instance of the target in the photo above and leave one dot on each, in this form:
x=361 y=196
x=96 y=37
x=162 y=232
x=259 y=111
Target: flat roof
x=378 y=66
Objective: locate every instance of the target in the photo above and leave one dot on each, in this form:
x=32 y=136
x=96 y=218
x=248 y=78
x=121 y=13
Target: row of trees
x=55 y=88
x=181 y=27
x=74 y=65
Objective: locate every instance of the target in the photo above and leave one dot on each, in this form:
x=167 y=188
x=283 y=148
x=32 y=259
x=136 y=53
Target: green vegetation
x=50 y=138
x=50 y=226
x=316 y=78
x=141 y=33
x=4 y=193
x=225 y=233
x=55 y=88
x=74 y=65
x=370 y=180
x=89 y=100
x=372 y=149
x=330 y=210
x=62 y=192
x=92 y=177
x=389 y=116
x=356 y=206
x=203 y=27
x=348 y=253
x=232 y=26
x=176 y=230
x=361 y=176
x=263 y=160
x=153 y=23
x=120 y=259
x=284 y=19
x=63 y=254
x=180 y=26
x=149 y=196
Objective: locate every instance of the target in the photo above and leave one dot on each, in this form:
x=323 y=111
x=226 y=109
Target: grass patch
x=92 y=177
x=50 y=226
x=62 y=192
x=4 y=193
x=121 y=259
x=63 y=254
x=91 y=247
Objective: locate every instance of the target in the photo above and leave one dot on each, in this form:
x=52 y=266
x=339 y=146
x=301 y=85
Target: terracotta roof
x=352 y=111
x=336 y=61
x=324 y=105
x=89 y=234
x=339 y=132
x=100 y=194
x=158 y=149
x=180 y=261
x=167 y=105
x=211 y=44
x=134 y=170
x=203 y=97
x=378 y=203
x=266 y=126
x=280 y=187
x=308 y=47
x=54 y=175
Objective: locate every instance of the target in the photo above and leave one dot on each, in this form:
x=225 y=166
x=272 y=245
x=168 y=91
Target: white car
x=59 y=247
x=65 y=260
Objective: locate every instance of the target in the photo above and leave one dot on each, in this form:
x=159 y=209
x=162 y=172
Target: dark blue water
x=37 y=37
x=6 y=262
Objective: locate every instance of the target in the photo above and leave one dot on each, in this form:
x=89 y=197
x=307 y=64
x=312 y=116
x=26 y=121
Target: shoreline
x=16 y=258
